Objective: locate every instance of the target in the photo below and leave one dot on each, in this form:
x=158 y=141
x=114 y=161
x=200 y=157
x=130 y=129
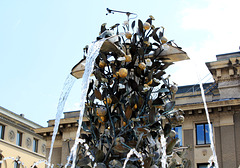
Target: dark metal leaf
x=97 y=94
x=120 y=149
x=128 y=112
x=169 y=106
x=159 y=74
x=140 y=27
x=85 y=128
x=84 y=161
x=152 y=115
x=133 y=24
x=90 y=87
x=170 y=146
x=141 y=51
x=156 y=44
x=104 y=57
x=138 y=72
x=103 y=27
x=149 y=21
x=133 y=84
x=157 y=102
x=166 y=65
x=99 y=156
x=104 y=93
x=114 y=99
x=160 y=34
x=147 y=162
x=98 y=75
x=154 y=34
x=96 y=132
x=157 y=52
x=113 y=68
x=100 y=165
x=140 y=101
x=150 y=75
x=167 y=129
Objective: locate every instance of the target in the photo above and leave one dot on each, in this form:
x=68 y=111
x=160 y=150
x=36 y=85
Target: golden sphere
x=128 y=58
x=124 y=123
x=103 y=119
x=142 y=65
x=163 y=40
x=101 y=111
x=102 y=64
x=128 y=35
x=146 y=25
x=123 y=72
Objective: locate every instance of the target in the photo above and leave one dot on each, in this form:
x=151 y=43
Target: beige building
x=19 y=144
x=223 y=101
x=65 y=137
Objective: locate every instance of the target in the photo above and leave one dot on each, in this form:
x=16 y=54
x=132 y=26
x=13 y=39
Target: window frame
x=205 y=124
x=35 y=145
x=2 y=131
x=19 y=138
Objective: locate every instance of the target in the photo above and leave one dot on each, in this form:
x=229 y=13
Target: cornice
x=195 y=106
x=230 y=78
x=19 y=126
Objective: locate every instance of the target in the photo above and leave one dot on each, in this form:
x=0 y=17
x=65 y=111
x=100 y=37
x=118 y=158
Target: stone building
x=64 y=139
x=19 y=144
x=223 y=101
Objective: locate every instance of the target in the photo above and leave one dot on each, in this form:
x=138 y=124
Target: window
x=19 y=139
x=2 y=129
x=178 y=131
x=202 y=134
x=35 y=145
x=202 y=165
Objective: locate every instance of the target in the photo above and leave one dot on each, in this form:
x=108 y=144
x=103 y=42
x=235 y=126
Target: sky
x=41 y=40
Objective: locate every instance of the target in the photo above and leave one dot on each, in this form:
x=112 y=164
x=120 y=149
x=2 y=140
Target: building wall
x=14 y=123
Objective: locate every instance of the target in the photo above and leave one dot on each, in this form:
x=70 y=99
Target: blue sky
x=40 y=42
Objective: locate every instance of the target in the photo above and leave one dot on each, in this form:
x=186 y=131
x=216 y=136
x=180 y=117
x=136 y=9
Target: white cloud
x=219 y=22
x=220 y=19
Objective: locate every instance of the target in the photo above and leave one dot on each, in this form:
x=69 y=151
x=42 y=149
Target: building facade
x=223 y=103
x=64 y=139
x=19 y=144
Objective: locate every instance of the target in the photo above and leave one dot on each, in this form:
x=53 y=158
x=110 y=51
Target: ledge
x=23 y=149
x=202 y=146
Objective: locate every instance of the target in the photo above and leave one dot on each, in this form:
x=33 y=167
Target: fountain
x=129 y=104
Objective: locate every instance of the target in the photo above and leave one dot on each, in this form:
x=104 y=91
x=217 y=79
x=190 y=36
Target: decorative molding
x=43 y=148
x=11 y=135
x=19 y=127
x=28 y=142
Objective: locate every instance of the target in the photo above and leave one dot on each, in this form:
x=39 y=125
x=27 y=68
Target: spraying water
x=131 y=152
x=92 y=54
x=163 y=150
x=65 y=92
x=214 y=158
